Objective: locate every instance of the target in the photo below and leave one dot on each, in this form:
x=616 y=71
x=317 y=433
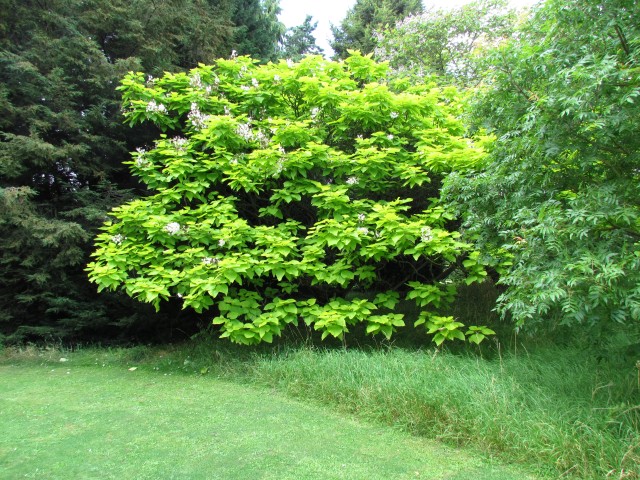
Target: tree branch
x=623 y=40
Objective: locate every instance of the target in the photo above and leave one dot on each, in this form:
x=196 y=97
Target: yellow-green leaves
x=283 y=184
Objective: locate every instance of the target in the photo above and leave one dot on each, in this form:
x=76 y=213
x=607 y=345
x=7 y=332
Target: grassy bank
x=562 y=410
x=556 y=412
x=65 y=421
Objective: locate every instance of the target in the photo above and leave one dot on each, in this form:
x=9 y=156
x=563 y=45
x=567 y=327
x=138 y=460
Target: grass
x=564 y=410
x=554 y=412
x=92 y=417
x=560 y=410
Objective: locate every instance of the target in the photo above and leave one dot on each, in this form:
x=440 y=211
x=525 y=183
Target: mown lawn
x=72 y=420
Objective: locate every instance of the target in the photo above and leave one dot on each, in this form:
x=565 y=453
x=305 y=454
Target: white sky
x=326 y=12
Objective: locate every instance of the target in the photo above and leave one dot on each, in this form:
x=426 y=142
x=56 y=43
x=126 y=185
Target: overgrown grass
x=557 y=412
x=560 y=409
x=77 y=419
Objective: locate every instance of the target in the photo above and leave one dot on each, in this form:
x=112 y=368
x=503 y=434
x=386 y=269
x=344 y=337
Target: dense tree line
x=63 y=141
x=299 y=41
x=445 y=44
x=560 y=197
x=552 y=209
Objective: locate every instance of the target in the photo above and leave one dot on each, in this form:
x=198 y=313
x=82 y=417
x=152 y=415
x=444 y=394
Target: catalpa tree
x=293 y=192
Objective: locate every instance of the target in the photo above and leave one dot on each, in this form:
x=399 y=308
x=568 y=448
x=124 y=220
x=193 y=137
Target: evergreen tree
x=356 y=32
x=299 y=41
x=258 y=29
x=62 y=144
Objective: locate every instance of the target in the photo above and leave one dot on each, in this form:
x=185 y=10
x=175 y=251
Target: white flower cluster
x=255 y=83
x=197 y=118
x=363 y=230
x=150 y=81
x=279 y=167
x=390 y=137
x=352 y=181
x=221 y=242
x=210 y=261
x=314 y=112
x=426 y=235
x=394 y=115
x=262 y=139
x=276 y=78
x=141 y=159
x=118 y=238
x=244 y=130
x=361 y=217
x=179 y=143
x=152 y=106
x=172 y=228
x=196 y=81
x=280 y=162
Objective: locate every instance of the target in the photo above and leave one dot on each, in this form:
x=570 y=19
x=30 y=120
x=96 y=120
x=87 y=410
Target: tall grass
x=564 y=410
x=561 y=409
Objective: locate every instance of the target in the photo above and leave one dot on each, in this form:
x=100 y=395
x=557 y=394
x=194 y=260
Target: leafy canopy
x=558 y=196
x=288 y=192
x=62 y=143
x=445 y=42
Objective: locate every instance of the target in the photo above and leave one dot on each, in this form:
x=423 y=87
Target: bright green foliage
x=356 y=32
x=287 y=192
x=299 y=41
x=477 y=334
x=444 y=328
x=556 y=204
x=445 y=42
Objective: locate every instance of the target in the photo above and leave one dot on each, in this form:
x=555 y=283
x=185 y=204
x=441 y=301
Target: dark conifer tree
x=356 y=32
x=62 y=144
x=258 y=29
x=299 y=41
